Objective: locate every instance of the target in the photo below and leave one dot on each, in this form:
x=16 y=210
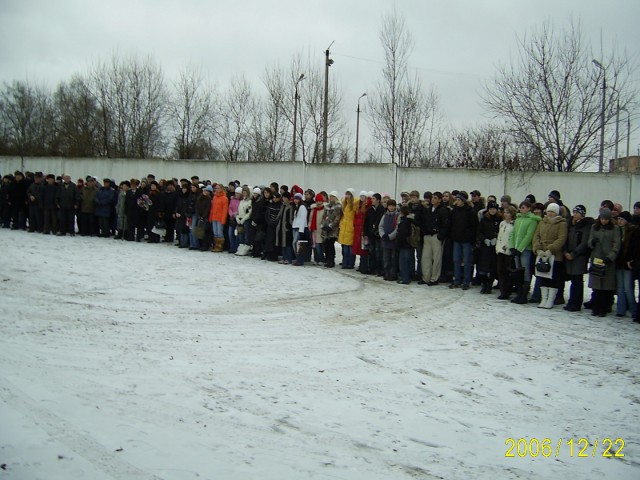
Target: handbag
x=543 y=265
x=303 y=247
x=598 y=269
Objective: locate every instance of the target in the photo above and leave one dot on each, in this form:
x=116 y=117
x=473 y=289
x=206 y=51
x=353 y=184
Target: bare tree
x=235 y=119
x=551 y=96
x=28 y=118
x=192 y=109
x=269 y=133
x=78 y=115
x=400 y=110
x=132 y=98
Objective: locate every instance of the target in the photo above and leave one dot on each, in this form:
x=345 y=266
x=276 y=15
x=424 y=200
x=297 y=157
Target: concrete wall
x=585 y=188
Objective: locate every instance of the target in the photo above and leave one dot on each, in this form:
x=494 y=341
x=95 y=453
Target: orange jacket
x=219 y=208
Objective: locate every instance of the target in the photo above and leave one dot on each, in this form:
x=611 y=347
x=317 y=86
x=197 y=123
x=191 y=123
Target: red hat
x=319 y=198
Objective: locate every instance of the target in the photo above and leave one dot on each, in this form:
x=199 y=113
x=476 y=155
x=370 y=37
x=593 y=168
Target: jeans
x=390 y=260
x=218 y=229
x=318 y=253
x=406 y=264
x=524 y=260
x=233 y=239
x=194 y=242
x=462 y=252
x=376 y=265
x=625 y=293
x=348 y=258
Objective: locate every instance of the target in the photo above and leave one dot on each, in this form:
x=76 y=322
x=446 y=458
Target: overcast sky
x=458 y=43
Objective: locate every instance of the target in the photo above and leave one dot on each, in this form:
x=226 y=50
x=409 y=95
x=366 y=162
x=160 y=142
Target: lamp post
x=325 y=117
x=296 y=99
x=604 y=101
x=628 y=130
x=358 y=124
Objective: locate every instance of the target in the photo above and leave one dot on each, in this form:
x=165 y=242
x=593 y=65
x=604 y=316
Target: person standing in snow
x=604 y=241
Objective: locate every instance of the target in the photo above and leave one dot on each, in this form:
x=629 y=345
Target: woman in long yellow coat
x=345 y=238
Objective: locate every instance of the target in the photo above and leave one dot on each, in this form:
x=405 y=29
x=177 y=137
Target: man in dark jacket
x=48 y=204
x=433 y=227
x=464 y=223
x=105 y=201
x=34 y=194
x=67 y=202
x=136 y=215
x=372 y=235
x=18 y=201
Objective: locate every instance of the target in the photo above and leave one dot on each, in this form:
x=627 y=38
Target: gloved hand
x=254 y=224
x=494 y=241
x=607 y=261
x=514 y=252
x=385 y=236
x=539 y=253
x=487 y=242
x=548 y=254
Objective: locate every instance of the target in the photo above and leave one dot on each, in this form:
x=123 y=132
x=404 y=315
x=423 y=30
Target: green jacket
x=523 y=230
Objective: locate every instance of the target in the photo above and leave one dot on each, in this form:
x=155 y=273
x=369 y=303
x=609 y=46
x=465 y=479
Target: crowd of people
x=442 y=237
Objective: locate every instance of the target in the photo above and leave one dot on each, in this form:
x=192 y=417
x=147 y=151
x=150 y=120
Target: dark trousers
x=19 y=217
x=36 y=218
x=50 y=220
x=87 y=224
x=67 y=221
x=104 y=226
x=329 y=246
x=170 y=225
x=406 y=261
x=504 y=280
x=390 y=260
x=576 y=290
x=376 y=267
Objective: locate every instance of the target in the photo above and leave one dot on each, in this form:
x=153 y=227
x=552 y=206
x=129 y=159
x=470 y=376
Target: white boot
x=544 y=295
x=242 y=250
x=551 y=299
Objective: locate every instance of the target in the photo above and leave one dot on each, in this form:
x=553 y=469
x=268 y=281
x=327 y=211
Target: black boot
x=523 y=291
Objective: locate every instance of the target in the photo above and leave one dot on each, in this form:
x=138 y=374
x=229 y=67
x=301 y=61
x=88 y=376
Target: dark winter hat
x=51 y=175
x=580 y=209
x=605 y=214
x=106 y=180
x=462 y=196
x=492 y=205
x=626 y=215
x=555 y=194
x=288 y=195
x=531 y=197
x=506 y=198
x=537 y=206
x=475 y=193
x=636 y=205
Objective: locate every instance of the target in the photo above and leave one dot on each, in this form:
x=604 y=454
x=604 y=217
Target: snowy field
x=123 y=360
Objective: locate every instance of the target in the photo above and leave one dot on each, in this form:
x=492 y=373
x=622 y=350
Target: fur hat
x=334 y=194
x=238 y=190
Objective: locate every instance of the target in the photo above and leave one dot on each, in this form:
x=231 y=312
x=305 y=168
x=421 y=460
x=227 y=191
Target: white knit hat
x=352 y=191
x=257 y=190
x=553 y=207
x=334 y=194
x=363 y=194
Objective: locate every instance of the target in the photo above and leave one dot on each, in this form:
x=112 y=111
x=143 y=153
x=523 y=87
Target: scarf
x=314 y=224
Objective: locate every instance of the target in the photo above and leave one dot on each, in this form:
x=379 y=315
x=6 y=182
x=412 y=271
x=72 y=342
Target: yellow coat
x=345 y=237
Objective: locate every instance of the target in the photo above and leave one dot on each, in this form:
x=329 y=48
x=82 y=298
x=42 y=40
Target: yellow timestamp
x=581 y=448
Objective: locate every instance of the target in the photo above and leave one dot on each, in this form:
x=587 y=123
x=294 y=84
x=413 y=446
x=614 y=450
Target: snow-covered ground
x=128 y=360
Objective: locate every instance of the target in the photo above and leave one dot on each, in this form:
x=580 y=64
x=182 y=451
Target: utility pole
x=358 y=125
x=296 y=99
x=602 y=114
x=325 y=117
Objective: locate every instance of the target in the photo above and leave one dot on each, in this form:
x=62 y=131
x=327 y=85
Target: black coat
x=68 y=196
x=577 y=238
x=487 y=256
x=463 y=224
x=136 y=216
x=434 y=221
x=49 y=194
x=372 y=221
x=403 y=233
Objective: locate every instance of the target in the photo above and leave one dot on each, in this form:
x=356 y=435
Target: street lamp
x=296 y=99
x=358 y=124
x=327 y=63
x=604 y=100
